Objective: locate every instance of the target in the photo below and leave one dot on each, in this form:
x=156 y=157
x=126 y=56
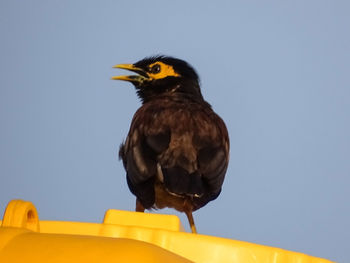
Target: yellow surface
x=123 y=237
x=127 y=218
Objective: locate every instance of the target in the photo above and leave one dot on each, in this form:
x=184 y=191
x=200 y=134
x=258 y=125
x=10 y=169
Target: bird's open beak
x=137 y=79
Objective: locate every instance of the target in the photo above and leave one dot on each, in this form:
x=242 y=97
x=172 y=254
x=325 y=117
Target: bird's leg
x=188 y=211
x=191 y=221
x=139 y=206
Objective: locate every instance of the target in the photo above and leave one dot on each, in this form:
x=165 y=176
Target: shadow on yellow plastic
x=123 y=237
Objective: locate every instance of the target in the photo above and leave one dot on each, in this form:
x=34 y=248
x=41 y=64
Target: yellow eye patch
x=159 y=70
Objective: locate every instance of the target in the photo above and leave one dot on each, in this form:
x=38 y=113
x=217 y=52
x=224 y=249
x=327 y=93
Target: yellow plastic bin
x=123 y=237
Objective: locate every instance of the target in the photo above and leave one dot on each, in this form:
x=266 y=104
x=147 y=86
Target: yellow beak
x=133 y=78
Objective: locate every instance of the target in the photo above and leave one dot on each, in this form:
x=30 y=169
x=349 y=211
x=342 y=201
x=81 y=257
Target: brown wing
x=188 y=141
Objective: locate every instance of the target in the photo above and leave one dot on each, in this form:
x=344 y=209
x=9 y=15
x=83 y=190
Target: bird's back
x=177 y=149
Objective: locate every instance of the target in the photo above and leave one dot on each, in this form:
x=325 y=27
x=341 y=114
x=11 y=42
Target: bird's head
x=161 y=74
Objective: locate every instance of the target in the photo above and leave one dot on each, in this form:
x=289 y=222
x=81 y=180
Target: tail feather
x=179 y=181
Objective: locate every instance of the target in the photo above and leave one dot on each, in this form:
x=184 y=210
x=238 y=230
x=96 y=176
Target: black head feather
x=180 y=66
x=186 y=84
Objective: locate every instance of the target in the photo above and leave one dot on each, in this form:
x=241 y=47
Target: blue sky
x=277 y=72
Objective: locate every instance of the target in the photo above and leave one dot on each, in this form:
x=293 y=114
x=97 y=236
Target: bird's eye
x=155 y=69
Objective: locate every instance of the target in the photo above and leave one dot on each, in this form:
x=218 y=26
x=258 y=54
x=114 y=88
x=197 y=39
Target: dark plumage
x=177 y=150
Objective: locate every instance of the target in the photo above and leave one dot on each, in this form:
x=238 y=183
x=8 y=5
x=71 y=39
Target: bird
x=176 y=152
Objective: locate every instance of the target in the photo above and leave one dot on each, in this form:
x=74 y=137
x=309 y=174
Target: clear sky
x=277 y=72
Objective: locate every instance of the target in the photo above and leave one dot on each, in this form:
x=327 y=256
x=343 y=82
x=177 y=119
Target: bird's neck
x=185 y=91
